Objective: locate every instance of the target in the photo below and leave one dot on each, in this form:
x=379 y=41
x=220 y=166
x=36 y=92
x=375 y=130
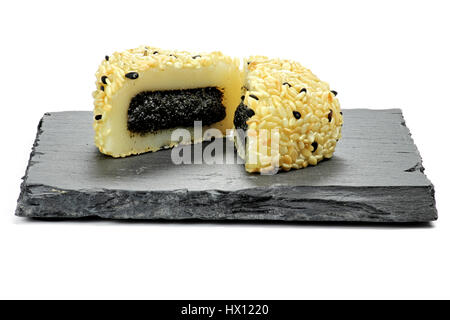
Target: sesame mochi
x=283 y=116
x=144 y=94
x=287 y=119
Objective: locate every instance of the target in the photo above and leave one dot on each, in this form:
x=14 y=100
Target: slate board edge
x=29 y=204
x=272 y=204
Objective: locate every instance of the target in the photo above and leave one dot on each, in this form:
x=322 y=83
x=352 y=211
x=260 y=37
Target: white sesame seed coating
x=297 y=107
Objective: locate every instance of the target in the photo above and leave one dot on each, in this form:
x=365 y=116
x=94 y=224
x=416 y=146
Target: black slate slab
x=376 y=175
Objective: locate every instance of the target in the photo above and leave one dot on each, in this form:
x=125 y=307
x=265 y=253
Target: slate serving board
x=376 y=175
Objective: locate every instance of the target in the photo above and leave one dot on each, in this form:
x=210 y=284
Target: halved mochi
x=144 y=94
x=288 y=118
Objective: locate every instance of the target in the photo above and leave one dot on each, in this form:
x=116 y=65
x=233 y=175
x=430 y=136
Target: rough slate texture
x=376 y=175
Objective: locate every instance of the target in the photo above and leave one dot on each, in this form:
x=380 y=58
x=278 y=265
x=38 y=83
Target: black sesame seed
x=250 y=112
x=102 y=88
x=242 y=97
x=330 y=115
x=107 y=58
x=296 y=114
x=287 y=84
x=197 y=56
x=303 y=90
x=172 y=55
x=104 y=79
x=315 y=145
x=341 y=113
x=248 y=62
x=132 y=75
x=334 y=92
x=98 y=117
x=155 y=52
x=254 y=97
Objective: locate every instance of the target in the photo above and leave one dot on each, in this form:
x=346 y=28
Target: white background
x=377 y=54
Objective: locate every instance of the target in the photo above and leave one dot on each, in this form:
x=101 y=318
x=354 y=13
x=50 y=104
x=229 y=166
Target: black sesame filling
x=242 y=114
x=150 y=111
